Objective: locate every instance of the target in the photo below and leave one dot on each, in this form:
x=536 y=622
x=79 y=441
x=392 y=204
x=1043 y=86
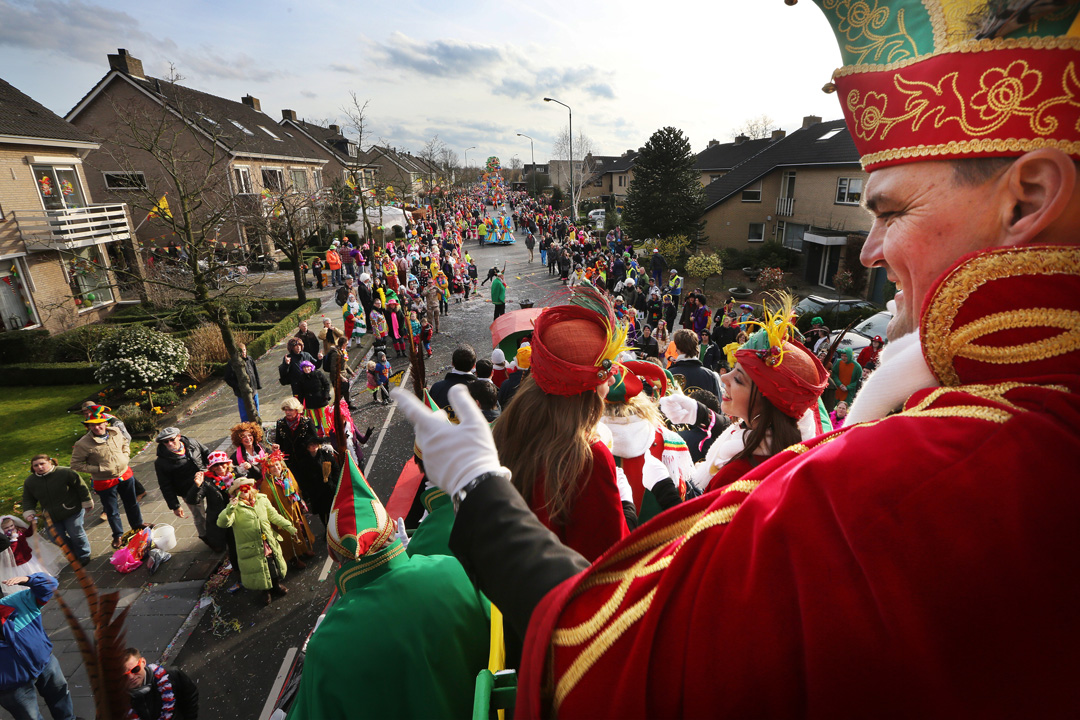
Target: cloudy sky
x=473 y=73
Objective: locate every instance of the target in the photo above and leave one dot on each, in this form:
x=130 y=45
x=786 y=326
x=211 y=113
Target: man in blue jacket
x=26 y=658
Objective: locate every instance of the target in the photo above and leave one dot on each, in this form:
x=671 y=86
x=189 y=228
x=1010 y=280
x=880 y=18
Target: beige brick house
x=57 y=246
x=240 y=154
x=342 y=155
x=610 y=176
x=801 y=190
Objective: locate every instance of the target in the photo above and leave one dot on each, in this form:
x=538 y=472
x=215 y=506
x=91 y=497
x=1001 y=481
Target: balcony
x=785 y=207
x=72 y=227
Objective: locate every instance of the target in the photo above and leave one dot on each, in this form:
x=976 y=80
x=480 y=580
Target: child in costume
x=378 y=325
x=27 y=553
x=425 y=335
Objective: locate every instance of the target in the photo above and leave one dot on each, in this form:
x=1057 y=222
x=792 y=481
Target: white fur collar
x=631 y=437
x=901 y=372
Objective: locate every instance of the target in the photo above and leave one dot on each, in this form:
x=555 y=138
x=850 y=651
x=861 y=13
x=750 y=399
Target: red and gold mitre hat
x=574 y=346
x=360 y=527
x=948 y=79
x=785 y=372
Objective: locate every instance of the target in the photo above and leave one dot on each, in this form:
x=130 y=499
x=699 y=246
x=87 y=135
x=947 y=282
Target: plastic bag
x=123 y=561
x=156 y=558
x=138 y=544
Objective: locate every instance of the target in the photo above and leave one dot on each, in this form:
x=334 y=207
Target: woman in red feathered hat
x=772 y=391
x=548 y=433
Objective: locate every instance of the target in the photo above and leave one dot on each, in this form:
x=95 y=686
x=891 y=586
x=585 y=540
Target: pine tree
x=665 y=197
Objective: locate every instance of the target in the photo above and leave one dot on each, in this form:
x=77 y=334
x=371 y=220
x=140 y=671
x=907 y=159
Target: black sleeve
x=666 y=494
x=283 y=373
x=230 y=376
x=253 y=369
x=187 y=693
x=512 y=557
x=630 y=513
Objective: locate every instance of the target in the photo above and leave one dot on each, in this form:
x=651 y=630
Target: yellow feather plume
x=778 y=325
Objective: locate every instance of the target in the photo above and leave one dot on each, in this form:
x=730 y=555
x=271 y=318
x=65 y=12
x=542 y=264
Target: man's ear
x=1040 y=185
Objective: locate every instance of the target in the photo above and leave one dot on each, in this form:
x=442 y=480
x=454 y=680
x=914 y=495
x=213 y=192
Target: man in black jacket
x=463 y=361
x=147 y=683
x=253 y=378
x=694 y=375
x=289 y=370
x=310 y=340
x=179 y=460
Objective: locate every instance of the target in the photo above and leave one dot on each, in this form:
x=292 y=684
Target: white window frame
x=292 y=179
x=245 y=172
x=281 y=174
x=239 y=125
x=756 y=187
x=843 y=185
x=102 y=261
x=113 y=173
x=831 y=134
x=207 y=118
x=316 y=178
x=750 y=233
x=270 y=133
x=26 y=291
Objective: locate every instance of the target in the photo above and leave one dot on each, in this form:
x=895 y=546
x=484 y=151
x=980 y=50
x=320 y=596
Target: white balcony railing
x=73 y=227
x=785 y=207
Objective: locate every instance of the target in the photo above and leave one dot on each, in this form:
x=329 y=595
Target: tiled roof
x=815 y=145
x=727 y=155
x=22 y=116
x=240 y=127
x=333 y=141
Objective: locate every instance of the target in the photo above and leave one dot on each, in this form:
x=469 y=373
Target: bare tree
x=430 y=154
x=288 y=219
x=448 y=161
x=357 y=115
x=755 y=128
x=186 y=199
x=583 y=146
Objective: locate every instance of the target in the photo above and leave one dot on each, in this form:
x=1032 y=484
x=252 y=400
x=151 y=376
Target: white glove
x=29 y=516
x=626 y=494
x=679 y=409
x=453 y=454
x=401 y=533
x=653 y=471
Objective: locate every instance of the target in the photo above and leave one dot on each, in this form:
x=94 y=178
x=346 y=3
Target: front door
x=830 y=264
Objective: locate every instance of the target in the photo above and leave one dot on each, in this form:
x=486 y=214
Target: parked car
x=860 y=336
x=598 y=213
x=825 y=308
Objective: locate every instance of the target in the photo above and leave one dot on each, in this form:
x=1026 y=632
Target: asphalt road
x=236 y=669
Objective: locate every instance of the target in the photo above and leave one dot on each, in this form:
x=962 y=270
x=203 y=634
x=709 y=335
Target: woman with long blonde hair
x=548 y=432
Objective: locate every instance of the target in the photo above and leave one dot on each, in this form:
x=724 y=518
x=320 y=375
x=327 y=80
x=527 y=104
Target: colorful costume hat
x=785 y=372
x=359 y=524
x=574 y=346
x=630 y=379
x=216 y=458
x=97 y=415
x=932 y=80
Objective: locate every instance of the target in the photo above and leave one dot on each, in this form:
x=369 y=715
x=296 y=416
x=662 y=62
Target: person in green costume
x=419 y=616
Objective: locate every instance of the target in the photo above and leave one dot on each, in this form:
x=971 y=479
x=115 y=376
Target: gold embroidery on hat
x=970 y=147
x=963 y=339
x=860 y=19
x=968 y=46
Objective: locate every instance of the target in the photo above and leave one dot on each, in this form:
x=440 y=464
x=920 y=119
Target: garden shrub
x=33 y=346
x=206 y=349
x=136 y=419
x=136 y=356
x=19 y=374
x=260 y=345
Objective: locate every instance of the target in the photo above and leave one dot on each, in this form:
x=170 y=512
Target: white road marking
x=386 y=424
x=279 y=682
x=326 y=568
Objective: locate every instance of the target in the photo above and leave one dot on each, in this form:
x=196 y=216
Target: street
x=237 y=664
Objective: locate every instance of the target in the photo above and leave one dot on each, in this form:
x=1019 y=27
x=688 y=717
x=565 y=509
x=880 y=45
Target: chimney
x=712 y=143
x=122 y=62
x=740 y=139
x=288 y=115
x=809 y=121
x=335 y=129
x=779 y=134
x=252 y=103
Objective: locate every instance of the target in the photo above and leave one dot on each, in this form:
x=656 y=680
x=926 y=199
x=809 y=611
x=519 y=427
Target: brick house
x=57 y=246
x=400 y=175
x=610 y=176
x=801 y=190
x=342 y=155
x=718 y=158
x=241 y=152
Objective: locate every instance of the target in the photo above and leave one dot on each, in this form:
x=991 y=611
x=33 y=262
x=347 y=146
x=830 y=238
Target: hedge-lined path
x=165 y=607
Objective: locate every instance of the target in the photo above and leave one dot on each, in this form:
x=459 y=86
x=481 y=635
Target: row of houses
x=74 y=191
x=801 y=189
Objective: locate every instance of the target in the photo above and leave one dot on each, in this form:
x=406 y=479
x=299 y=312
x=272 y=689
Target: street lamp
x=467 y=162
x=532 y=154
x=573 y=205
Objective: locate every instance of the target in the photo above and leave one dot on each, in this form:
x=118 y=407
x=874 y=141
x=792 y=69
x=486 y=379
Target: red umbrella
x=507 y=331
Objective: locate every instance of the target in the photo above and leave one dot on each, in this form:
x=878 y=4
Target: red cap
x=793 y=385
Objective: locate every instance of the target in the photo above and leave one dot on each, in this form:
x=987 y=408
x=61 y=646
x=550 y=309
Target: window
x=299 y=180
x=316 y=177
x=757 y=232
x=58 y=186
x=273 y=179
x=848 y=191
x=125 y=180
x=714 y=178
x=16 y=309
x=205 y=118
x=790 y=235
x=831 y=134
x=88 y=277
x=1 y=212
x=242 y=180
x=622 y=181
x=353 y=149
x=267 y=131
x=246 y=131
x=752 y=193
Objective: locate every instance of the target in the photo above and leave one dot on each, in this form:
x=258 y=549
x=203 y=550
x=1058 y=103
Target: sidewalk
x=160 y=604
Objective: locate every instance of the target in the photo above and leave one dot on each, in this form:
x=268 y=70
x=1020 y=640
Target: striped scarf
x=165 y=690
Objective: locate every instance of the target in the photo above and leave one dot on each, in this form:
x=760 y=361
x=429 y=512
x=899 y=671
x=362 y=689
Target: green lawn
x=36 y=420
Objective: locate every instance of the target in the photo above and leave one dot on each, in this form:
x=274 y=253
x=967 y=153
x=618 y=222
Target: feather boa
x=165 y=690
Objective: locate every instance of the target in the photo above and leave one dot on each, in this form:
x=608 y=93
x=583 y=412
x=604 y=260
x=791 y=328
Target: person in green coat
x=251 y=516
x=498 y=295
x=406 y=636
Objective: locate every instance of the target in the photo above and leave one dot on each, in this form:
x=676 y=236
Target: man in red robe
x=944 y=582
